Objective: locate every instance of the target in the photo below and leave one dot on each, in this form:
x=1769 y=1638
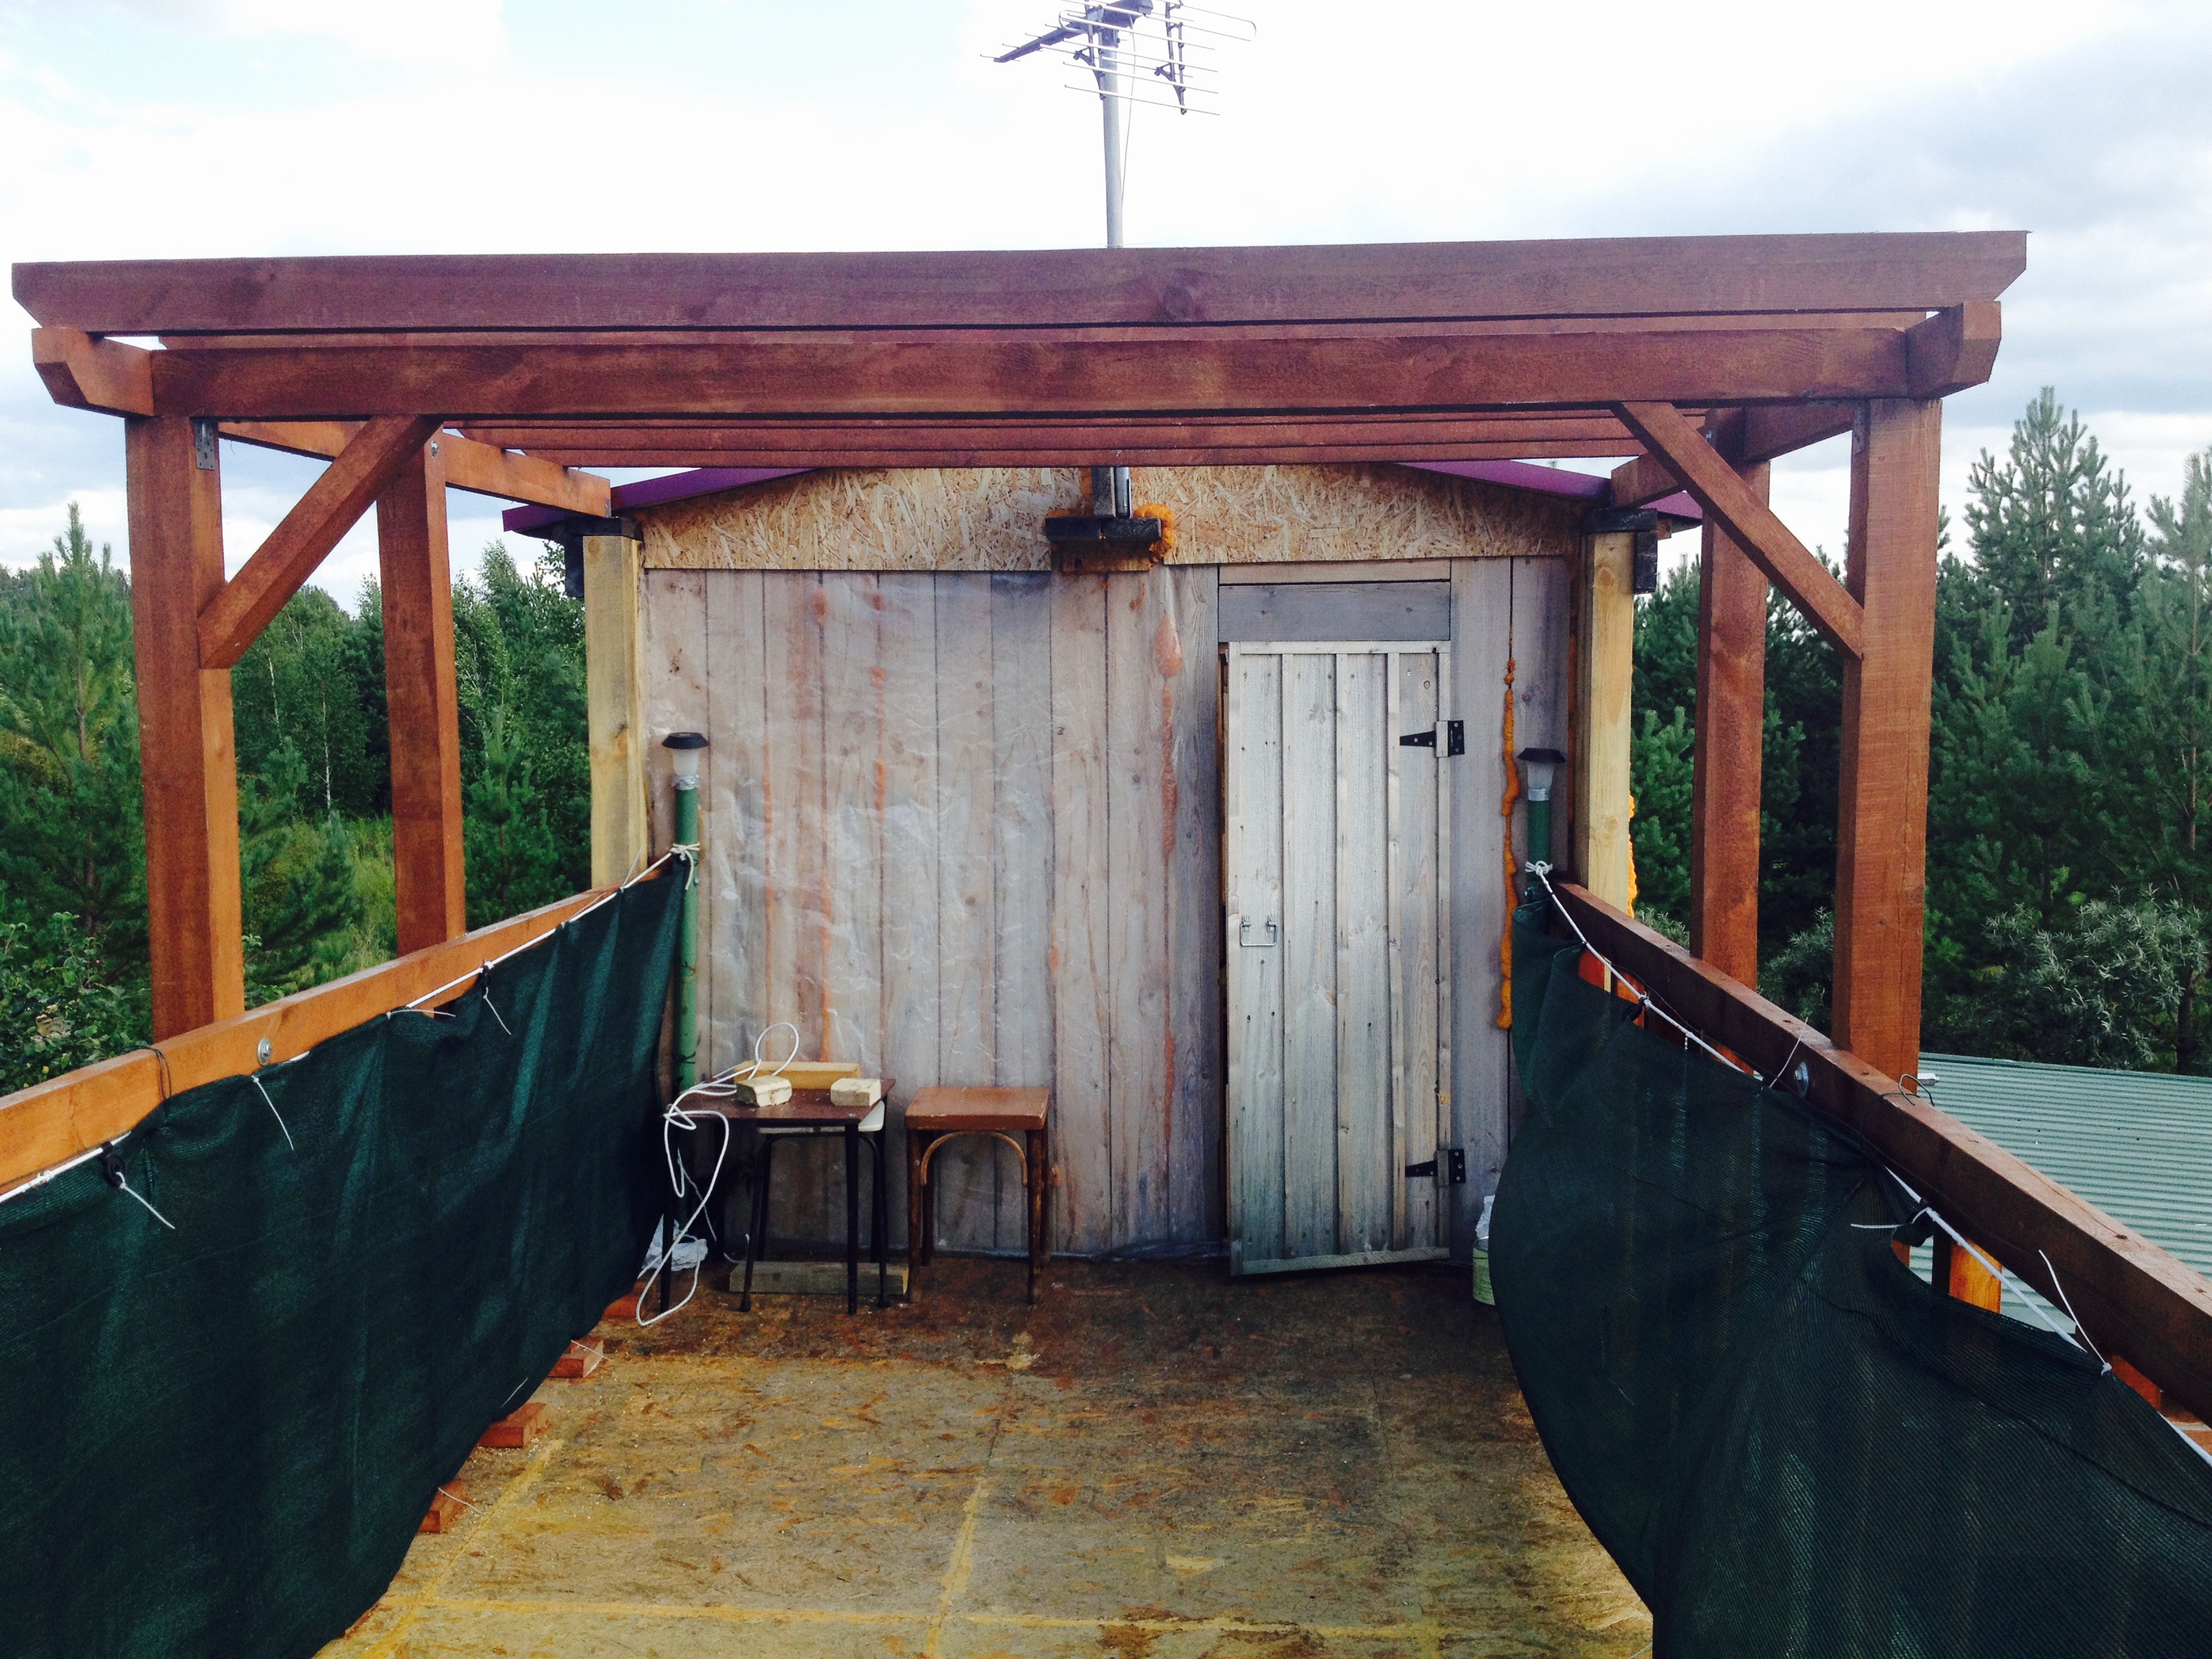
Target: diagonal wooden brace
x=333 y=503
x=1668 y=437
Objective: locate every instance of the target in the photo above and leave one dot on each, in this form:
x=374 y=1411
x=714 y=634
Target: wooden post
x=1724 y=789
x=1604 y=661
x=188 y=763
x=614 y=691
x=423 y=702
x=1881 y=841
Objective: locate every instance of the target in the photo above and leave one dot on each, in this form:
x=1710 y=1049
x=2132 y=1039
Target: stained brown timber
x=972 y=372
x=2134 y=1298
x=1625 y=276
x=53 y=1122
x=481 y=468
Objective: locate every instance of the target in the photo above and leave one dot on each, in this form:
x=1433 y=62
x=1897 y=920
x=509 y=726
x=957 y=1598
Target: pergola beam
x=974 y=373
x=481 y=468
x=249 y=601
x=1788 y=563
x=83 y=373
x=1070 y=288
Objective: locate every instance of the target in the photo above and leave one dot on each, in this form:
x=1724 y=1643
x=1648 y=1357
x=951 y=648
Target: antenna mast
x=1137 y=51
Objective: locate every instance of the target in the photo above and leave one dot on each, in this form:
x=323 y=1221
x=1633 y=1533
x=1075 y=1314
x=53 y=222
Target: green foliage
x=308 y=709
x=1659 y=770
x=59 y=1008
x=2070 y=871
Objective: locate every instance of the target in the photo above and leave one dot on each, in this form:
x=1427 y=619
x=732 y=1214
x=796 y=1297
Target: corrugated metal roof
x=2137 y=1145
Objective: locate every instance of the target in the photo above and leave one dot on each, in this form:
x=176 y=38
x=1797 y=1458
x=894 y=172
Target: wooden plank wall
x=964 y=827
x=1535 y=594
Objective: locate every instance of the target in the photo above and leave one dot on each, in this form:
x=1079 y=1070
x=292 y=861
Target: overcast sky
x=175 y=128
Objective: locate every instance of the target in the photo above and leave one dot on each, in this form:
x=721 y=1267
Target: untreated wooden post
x=614 y=689
x=1604 y=661
x=188 y=763
x=424 y=704
x=1882 y=841
x=1724 y=791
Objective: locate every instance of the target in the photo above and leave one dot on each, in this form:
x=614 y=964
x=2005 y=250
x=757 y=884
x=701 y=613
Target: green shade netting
x=1790 y=1443
x=220 y=1440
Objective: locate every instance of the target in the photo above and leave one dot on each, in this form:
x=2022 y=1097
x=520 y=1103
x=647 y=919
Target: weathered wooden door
x=1339 y=952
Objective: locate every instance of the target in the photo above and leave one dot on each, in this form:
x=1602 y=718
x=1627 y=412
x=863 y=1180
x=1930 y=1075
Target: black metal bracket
x=1454 y=1166
x=1455 y=738
x=1081 y=529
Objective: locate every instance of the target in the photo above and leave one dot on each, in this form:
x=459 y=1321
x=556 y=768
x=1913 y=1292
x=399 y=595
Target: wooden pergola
x=1703 y=358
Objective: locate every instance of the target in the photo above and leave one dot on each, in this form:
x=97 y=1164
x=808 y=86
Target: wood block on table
x=518 y=1428
x=445 y=1510
x=583 y=1357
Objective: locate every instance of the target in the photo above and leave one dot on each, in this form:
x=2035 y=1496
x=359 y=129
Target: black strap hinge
x=1454 y=1161
x=1455 y=738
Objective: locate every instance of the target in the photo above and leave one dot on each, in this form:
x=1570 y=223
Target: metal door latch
x=1454 y=1161
x=1244 y=934
x=1455 y=738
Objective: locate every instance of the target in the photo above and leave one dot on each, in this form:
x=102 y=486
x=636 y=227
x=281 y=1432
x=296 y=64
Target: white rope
x=690 y=852
x=44 y=1175
x=606 y=897
x=115 y=1179
x=273 y=1112
x=495 y=1014
x=1543 y=872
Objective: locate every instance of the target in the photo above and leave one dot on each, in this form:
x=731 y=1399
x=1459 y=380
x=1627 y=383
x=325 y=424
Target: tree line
x=315 y=788
x=2069 y=861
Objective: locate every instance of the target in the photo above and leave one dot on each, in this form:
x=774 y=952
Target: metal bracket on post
x=203 y=443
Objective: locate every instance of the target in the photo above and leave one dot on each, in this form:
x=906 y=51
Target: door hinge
x=1455 y=1162
x=1455 y=738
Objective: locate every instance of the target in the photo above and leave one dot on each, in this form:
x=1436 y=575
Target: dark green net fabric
x=220 y=1440
x=1789 y=1441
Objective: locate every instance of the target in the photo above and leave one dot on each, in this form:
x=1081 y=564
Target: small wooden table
x=811 y=1111
x=935 y=1115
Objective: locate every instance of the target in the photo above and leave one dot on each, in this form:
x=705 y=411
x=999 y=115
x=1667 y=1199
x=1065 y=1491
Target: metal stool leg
x=879 y=1223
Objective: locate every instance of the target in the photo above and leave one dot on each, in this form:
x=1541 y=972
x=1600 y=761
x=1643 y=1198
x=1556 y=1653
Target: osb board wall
x=963 y=828
x=989 y=518
x=966 y=829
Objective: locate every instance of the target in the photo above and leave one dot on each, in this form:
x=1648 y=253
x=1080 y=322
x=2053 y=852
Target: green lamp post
x=685 y=749
x=1537 y=766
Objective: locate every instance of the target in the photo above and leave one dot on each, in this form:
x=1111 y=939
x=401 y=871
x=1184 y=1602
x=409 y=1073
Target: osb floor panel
x=1152 y=1461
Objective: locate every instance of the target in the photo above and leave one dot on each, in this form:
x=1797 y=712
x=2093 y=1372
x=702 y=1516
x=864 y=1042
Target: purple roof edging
x=707 y=480
x=651 y=492
x=1522 y=475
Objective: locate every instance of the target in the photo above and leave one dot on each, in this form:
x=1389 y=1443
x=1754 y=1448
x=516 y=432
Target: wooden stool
x=934 y=1116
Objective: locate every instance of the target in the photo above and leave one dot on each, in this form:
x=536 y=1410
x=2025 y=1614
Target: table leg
x=879 y=1223
x=852 y=1217
x=753 y=1233
x=1039 y=1174
x=915 y=1145
x=667 y=1248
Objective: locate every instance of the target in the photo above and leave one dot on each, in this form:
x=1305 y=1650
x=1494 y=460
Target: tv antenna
x=1136 y=52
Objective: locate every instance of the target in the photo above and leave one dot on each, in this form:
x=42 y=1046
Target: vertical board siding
x=1363 y=964
x=1079 y=960
x=733 y=905
x=793 y=607
x=1021 y=856
x=905 y=695
x=1417 y=968
x=1254 y=803
x=1310 y=955
x=966 y=1175
x=1194 y=911
x=1143 y=660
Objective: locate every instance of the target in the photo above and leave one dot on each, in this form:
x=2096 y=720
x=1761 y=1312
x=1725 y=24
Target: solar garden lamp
x=1537 y=767
x=685 y=750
